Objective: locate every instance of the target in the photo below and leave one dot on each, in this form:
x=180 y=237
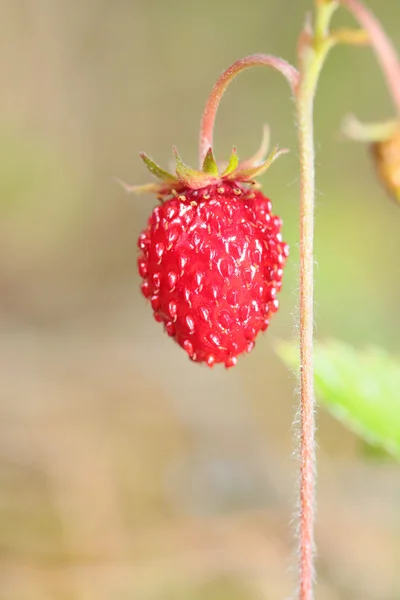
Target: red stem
x=210 y=111
x=383 y=46
x=305 y=102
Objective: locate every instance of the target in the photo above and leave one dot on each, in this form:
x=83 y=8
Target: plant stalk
x=307 y=401
x=312 y=58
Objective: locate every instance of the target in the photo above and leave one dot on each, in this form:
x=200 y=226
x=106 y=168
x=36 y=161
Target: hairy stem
x=312 y=58
x=210 y=111
x=307 y=402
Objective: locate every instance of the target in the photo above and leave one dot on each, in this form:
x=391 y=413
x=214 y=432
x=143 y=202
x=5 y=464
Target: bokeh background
x=126 y=471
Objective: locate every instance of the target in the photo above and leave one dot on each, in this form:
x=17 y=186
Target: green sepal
x=233 y=163
x=191 y=177
x=251 y=173
x=209 y=164
x=156 y=170
x=261 y=153
x=150 y=188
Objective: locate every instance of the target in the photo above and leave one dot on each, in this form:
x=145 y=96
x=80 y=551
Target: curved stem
x=210 y=111
x=383 y=46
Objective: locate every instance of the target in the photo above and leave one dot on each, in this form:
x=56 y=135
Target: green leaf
x=190 y=177
x=233 y=163
x=209 y=164
x=360 y=388
x=156 y=170
x=375 y=454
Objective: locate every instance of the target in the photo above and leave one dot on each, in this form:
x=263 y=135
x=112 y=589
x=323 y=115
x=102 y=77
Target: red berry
x=212 y=263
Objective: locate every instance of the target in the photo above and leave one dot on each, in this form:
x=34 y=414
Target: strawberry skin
x=212 y=262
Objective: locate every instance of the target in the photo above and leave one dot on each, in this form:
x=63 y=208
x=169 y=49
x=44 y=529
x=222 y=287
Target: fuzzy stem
x=383 y=46
x=210 y=111
x=312 y=58
x=307 y=401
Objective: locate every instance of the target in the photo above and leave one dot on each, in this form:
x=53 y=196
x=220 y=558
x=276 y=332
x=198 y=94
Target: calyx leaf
x=233 y=163
x=186 y=177
x=191 y=177
x=209 y=165
x=261 y=153
x=249 y=173
x=140 y=189
x=155 y=169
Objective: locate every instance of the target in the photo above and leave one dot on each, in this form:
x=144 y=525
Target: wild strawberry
x=212 y=257
x=386 y=155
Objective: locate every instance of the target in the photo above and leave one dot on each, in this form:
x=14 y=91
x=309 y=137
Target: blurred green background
x=125 y=470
